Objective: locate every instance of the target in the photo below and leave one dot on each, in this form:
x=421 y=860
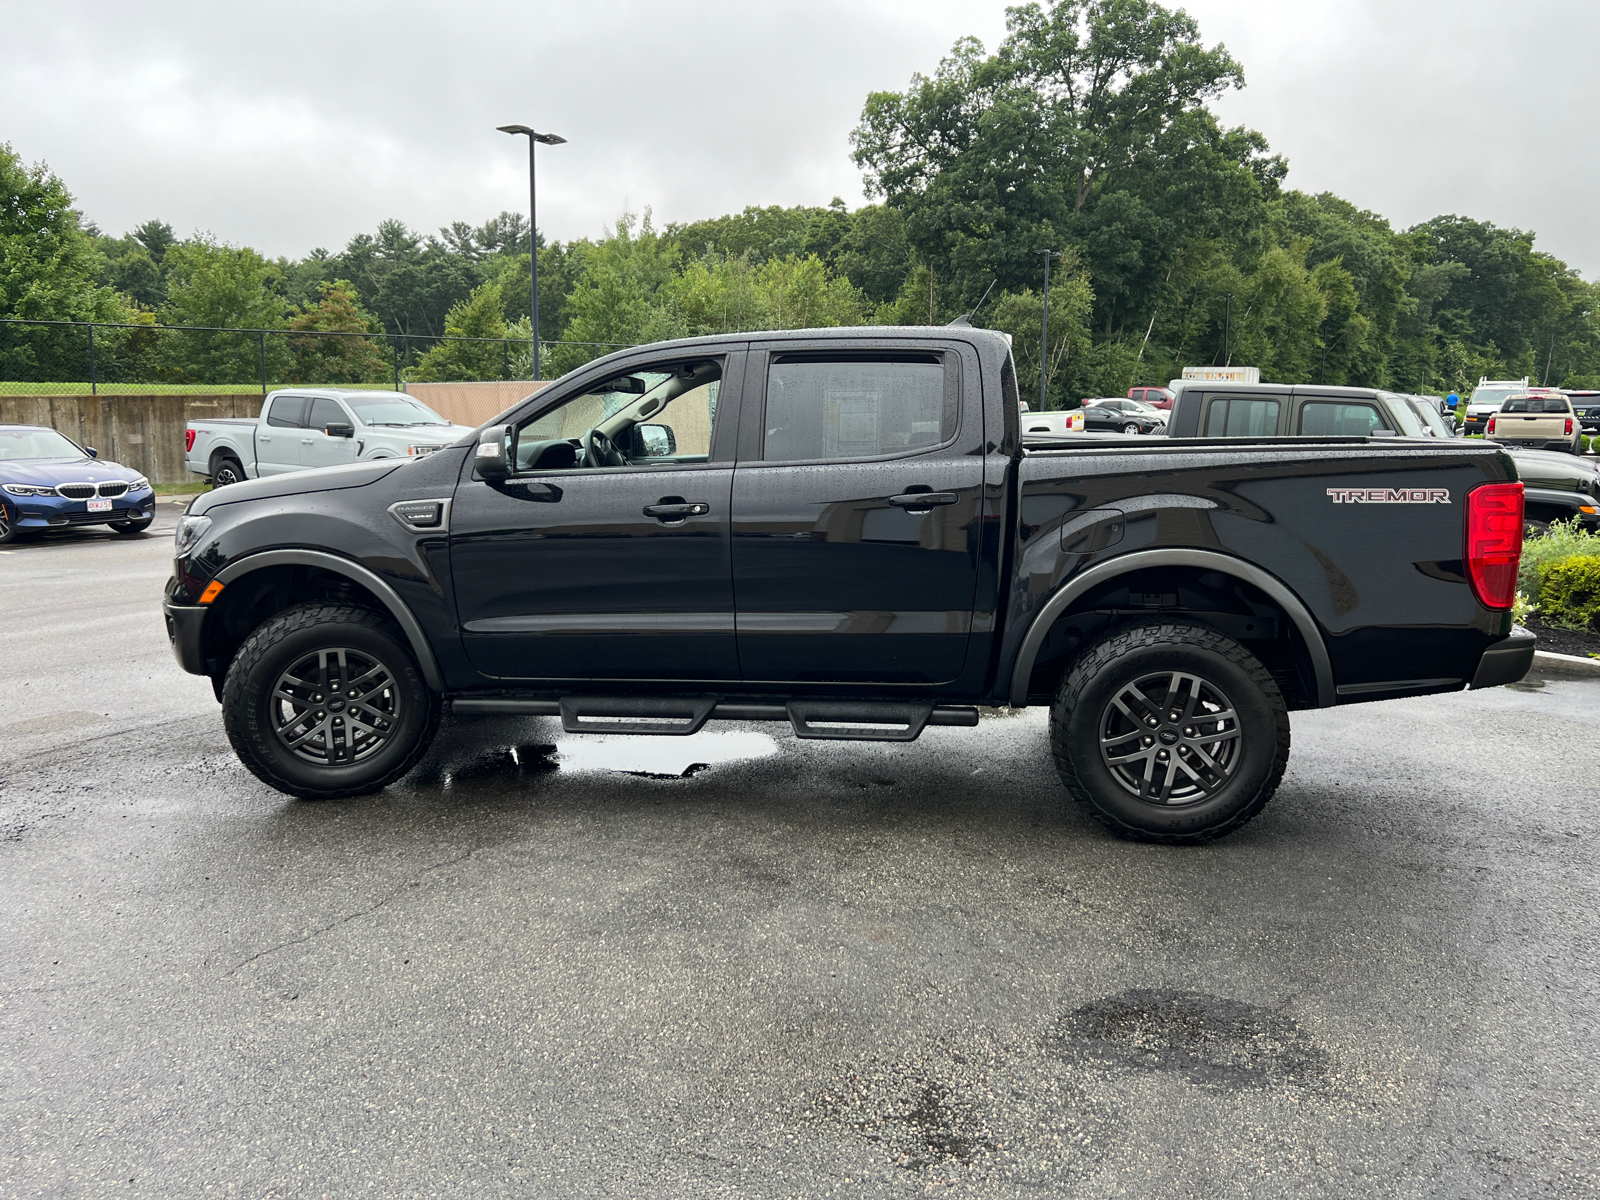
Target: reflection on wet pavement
x=666 y=757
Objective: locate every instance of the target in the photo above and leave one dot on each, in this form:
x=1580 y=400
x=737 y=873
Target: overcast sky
x=297 y=125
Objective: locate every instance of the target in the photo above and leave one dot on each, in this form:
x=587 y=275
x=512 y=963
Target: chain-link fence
x=41 y=358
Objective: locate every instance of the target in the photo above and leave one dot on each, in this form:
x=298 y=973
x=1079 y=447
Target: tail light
x=1569 y=426
x=1494 y=542
x=188 y=440
x=1491 y=425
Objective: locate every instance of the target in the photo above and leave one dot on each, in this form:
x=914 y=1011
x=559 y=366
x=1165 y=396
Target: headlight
x=190 y=530
x=27 y=489
x=139 y=484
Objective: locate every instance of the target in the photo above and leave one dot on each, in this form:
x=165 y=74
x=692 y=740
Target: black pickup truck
x=842 y=529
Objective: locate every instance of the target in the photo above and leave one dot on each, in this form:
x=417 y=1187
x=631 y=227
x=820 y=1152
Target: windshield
x=1493 y=395
x=1140 y=406
x=1431 y=418
x=392 y=408
x=1406 y=418
x=35 y=443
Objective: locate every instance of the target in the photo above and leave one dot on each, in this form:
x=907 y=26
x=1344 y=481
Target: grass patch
x=12 y=388
x=181 y=489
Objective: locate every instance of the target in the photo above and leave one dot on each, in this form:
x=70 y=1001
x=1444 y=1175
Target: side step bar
x=831 y=720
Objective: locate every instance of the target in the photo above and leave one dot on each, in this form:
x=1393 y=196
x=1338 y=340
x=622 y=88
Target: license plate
x=99 y=506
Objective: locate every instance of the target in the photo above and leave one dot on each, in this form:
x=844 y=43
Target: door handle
x=308 y=441
x=915 y=500
x=676 y=512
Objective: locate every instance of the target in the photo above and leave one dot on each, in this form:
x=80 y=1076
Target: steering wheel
x=599 y=452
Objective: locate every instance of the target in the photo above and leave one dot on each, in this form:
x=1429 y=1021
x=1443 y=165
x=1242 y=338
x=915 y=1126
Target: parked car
x=1069 y=420
x=1586 y=407
x=1128 y=417
x=857 y=542
x=1536 y=422
x=1434 y=421
x=1206 y=409
x=1156 y=397
x=1557 y=487
x=302 y=429
x=1489 y=395
x=48 y=481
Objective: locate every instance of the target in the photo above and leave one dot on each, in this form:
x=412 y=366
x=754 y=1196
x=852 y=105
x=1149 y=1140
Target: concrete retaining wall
x=146 y=432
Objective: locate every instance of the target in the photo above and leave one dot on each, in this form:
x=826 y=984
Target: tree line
x=1085 y=133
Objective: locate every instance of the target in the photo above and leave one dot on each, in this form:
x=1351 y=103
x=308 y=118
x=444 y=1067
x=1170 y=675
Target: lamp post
x=1044 y=334
x=549 y=139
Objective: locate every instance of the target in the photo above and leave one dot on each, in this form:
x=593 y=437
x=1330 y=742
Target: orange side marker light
x=213 y=590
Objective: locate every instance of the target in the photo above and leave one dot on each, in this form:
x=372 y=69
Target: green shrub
x=1566 y=539
x=1571 y=593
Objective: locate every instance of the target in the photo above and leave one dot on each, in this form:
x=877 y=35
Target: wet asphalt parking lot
x=742 y=965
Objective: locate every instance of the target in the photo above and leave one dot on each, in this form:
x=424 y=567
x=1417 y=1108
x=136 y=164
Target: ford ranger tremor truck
x=1542 y=422
x=306 y=428
x=842 y=529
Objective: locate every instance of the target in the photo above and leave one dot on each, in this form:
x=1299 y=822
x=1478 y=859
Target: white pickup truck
x=301 y=429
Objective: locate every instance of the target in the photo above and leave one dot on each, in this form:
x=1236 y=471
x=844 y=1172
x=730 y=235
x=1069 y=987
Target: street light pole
x=549 y=139
x=1044 y=334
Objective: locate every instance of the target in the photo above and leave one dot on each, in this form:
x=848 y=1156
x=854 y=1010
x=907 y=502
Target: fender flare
x=1208 y=560
x=356 y=573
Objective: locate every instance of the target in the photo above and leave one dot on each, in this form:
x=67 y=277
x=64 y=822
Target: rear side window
x=860 y=408
x=325 y=412
x=1339 y=418
x=287 y=412
x=1241 y=418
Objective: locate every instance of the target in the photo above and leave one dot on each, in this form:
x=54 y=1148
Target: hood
x=298 y=483
x=1558 y=472
x=49 y=472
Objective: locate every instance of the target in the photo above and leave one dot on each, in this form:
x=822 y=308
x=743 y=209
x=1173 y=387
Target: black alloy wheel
x=227 y=472
x=1170 y=732
x=129 y=528
x=325 y=700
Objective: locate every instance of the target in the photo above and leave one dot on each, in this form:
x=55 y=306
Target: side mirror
x=653 y=441
x=92 y=452
x=339 y=429
x=491 y=461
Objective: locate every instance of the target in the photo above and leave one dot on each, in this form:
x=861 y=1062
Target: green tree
x=50 y=270
x=218 y=286
x=336 y=359
x=617 y=297
x=481 y=315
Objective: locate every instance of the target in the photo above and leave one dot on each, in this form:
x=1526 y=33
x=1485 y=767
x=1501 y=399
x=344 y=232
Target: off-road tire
x=130 y=528
x=1122 y=657
x=227 y=471
x=288 y=637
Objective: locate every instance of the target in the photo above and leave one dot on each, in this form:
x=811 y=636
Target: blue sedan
x=48 y=481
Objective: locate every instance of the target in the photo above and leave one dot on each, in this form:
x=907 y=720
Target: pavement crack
x=348 y=917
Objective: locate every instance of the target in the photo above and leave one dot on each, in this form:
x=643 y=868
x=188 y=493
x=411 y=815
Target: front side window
x=1242 y=418
x=858 y=408
x=325 y=412
x=1338 y=418
x=655 y=416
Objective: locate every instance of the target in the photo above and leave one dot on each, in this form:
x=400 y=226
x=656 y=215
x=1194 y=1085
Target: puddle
x=661 y=757
x=1210 y=1039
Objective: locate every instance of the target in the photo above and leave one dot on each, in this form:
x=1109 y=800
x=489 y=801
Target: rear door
x=278 y=435
x=842 y=571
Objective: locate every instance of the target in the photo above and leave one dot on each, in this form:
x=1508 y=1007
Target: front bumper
x=1506 y=661
x=55 y=512
x=186 y=625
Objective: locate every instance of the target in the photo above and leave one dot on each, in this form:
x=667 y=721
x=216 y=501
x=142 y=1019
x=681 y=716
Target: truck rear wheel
x=325 y=700
x=226 y=471
x=1169 y=732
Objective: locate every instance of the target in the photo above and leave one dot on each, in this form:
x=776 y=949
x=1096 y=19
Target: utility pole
x=549 y=139
x=1227 y=324
x=1044 y=334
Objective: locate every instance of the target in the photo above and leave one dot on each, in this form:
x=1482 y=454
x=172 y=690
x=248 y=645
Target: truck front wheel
x=325 y=700
x=1169 y=732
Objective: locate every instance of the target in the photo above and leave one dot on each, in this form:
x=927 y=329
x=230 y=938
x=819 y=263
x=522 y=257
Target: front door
x=605 y=556
x=842 y=571
x=317 y=449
